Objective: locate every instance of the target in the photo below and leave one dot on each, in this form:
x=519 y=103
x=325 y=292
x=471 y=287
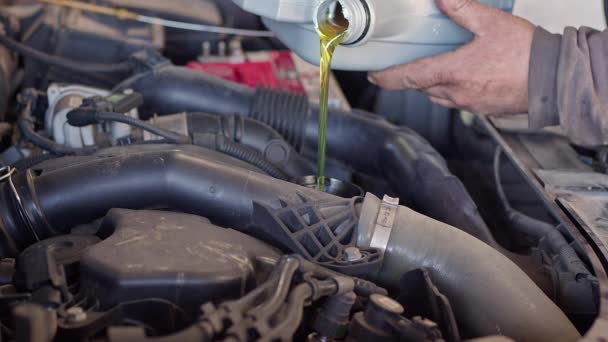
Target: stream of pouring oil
x=332 y=32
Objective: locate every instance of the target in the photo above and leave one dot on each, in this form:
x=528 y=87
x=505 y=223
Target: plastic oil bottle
x=362 y=35
x=381 y=33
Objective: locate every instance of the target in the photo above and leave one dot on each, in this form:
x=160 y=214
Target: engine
x=158 y=184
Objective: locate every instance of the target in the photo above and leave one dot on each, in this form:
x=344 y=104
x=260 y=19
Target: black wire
x=78 y=66
x=163 y=133
x=498 y=180
x=25 y=123
x=222 y=144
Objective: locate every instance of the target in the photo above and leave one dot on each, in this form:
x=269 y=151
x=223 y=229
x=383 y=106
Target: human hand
x=488 y=75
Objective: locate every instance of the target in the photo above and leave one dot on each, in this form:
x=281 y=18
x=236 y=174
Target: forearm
x=568 y=84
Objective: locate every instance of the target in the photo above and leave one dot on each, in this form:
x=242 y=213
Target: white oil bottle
x=381 y=33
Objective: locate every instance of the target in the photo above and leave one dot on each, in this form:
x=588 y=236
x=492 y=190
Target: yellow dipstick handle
x=120 y=13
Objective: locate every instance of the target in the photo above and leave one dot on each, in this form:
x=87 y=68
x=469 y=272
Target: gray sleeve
x=568 y=84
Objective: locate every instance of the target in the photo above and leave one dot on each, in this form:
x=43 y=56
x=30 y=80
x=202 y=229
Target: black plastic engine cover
x=176 y=257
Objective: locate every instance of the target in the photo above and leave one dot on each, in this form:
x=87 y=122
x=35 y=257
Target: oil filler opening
x=352 y=15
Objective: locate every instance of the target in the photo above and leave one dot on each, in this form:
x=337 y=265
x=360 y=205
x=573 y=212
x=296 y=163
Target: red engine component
x=273 y=69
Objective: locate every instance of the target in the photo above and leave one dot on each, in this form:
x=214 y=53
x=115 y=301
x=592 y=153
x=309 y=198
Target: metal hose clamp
x=6 y=174
x=384 y=223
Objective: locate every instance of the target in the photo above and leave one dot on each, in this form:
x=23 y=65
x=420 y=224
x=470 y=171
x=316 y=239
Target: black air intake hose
x=360 y=140
x=195 y=180
x=76 y=190
x=213 y=131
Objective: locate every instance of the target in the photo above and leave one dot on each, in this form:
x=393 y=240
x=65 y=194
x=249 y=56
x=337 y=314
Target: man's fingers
x=442 y=102
x=470 y=14
x=415 y=75
x=437 y=91
x=420 y=74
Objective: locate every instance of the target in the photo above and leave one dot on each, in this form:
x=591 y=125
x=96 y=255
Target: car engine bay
x=159 y=185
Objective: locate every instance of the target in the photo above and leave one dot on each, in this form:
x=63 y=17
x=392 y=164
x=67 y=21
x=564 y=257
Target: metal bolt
x=353 y=254
x=385 y=304
x=76 y=314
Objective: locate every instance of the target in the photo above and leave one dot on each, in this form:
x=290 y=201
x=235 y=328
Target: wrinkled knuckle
x=461 y=76
x=379 y=78
x=439 y=78
x=461 y=100
x=454 y=6
x=411 y=81
x=461 y=5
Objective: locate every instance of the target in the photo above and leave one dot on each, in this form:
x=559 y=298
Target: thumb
x=469 y=14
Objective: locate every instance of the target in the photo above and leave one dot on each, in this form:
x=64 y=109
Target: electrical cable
x=6 y=172
x=78 y=66
x=125 y=14
x=25 y=123
x=82 y=118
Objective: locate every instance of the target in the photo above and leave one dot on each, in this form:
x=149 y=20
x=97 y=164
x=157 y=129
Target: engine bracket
x=320 y=231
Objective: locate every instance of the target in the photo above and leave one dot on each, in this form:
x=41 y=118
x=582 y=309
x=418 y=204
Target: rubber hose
x=248 y=155
x=202 y=183
x=187 y=179
x=77 y=66
x=538 y=229
x=26 y=127
x=413 y=167
x=417 y=172
x=489 y=293
x=80 y=118
x=31 y=161
x=253 y=134
x=168 y=89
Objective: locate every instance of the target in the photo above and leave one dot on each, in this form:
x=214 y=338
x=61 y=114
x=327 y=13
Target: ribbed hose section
x=248 y=155
x=285 y=112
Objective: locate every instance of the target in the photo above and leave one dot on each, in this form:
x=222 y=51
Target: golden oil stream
x=332 y=31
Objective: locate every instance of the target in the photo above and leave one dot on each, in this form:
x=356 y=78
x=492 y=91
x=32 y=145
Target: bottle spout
x=357 y=15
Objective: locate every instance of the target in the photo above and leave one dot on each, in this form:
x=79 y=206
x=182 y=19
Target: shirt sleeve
x=568 y=84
